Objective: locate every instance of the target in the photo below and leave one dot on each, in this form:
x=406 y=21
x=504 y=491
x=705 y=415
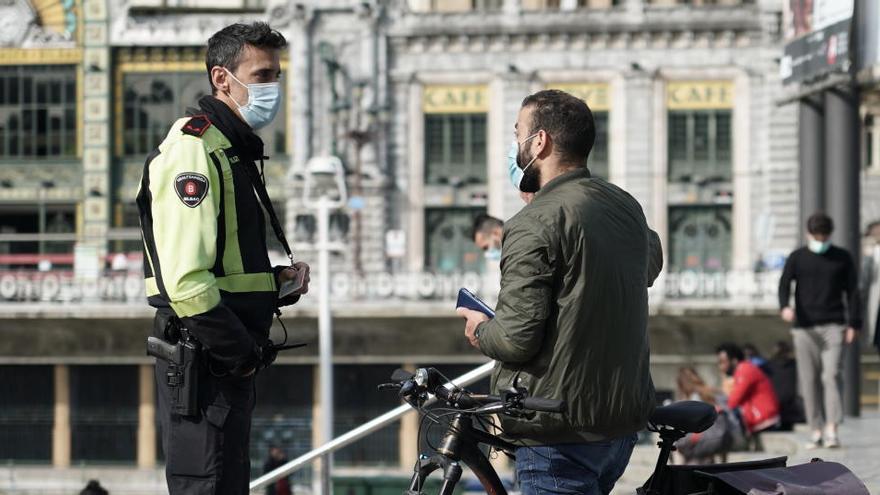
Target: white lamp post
x=325 y=191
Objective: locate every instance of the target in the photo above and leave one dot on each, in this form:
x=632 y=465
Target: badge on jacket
x=191 y=188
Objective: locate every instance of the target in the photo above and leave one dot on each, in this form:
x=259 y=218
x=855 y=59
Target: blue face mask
x=818 y=247
x=264 y=100
x=493 y=254
x=516 y=174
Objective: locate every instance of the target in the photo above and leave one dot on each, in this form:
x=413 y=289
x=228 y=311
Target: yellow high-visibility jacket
x=204 y=236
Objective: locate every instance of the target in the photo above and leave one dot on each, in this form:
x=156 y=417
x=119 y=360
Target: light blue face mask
x=264 y=100
x=818 y=247
x=516 y=174
x=493 y=254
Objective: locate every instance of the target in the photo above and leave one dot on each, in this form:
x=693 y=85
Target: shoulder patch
x=191 y=188
x=196 y=126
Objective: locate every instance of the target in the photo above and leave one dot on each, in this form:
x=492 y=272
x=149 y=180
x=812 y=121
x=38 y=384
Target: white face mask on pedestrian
x=818 y=247
x=264 y=100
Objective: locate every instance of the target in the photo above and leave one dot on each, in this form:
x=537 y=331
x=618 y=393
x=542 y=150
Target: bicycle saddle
x=688 y=416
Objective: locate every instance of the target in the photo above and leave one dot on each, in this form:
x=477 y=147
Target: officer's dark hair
x=569 y=122
x=226 y=45
x=732 y=350
x=820 y=223
x=485 y=223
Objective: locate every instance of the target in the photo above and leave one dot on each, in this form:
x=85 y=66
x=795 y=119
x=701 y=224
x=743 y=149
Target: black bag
x=813 y=478
x=690 y=479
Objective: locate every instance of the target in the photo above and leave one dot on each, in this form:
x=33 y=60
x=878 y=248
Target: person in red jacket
x=751 y=407
x=750 y=393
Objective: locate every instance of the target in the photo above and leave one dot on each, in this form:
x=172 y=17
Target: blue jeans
x=587 y=468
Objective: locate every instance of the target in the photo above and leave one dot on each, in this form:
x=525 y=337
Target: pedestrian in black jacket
x=826 y=312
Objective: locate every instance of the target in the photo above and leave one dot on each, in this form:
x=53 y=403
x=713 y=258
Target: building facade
x=418 y=98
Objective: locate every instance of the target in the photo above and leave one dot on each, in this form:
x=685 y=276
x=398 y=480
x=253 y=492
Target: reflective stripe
x=196 y=305
x=241 y=282
x=247 y=282
x=232 y=262
x=151 y=286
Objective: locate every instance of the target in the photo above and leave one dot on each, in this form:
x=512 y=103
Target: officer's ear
x=220 y=79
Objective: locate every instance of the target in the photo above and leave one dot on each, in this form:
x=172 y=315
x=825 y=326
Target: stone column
x=842 y=167
x=299 y=89
x=743 y=184
x=96 y=128
x=415 y=202
x=316 y=428
x=811 y=153
x=409 y=430
x=146 y=436
x=61 y=428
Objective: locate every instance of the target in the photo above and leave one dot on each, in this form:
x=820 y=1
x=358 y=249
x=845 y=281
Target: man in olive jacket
x=571 y=319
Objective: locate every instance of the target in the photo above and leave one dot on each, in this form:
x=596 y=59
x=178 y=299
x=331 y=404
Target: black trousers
x=208 y=454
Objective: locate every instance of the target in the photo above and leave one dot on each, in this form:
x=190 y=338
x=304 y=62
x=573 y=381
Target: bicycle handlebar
x=414 y=388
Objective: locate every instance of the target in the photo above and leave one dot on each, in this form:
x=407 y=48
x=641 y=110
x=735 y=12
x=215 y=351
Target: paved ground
x=860 y=452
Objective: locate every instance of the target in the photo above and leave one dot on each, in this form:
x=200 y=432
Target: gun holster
x=183 y=354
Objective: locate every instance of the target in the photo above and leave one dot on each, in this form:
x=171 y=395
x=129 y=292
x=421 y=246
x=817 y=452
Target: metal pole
x=842 y=153
x=811 y=150
x=325 y=337
x=364 y=430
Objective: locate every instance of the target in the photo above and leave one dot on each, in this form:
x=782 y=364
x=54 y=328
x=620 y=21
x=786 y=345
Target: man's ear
x=220 y=79
x=545 y=145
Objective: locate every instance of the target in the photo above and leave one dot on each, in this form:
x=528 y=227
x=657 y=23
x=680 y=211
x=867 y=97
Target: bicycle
x=461 y=440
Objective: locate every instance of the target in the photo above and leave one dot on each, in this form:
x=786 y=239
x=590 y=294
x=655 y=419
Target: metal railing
x=361 y=431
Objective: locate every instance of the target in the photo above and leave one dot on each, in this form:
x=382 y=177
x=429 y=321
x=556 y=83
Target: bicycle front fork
x=427 y=465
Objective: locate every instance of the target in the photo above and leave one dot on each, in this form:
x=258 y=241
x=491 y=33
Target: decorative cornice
x=548 y=42
x=616 y=28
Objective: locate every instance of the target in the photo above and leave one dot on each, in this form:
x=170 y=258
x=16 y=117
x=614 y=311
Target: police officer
x=206 y=264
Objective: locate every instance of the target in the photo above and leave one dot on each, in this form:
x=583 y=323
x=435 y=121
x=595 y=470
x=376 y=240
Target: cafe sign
x=456 y=99
x=699 y=95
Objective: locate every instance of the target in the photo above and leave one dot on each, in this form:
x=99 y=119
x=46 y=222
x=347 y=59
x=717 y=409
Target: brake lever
x=406 y=389
x=389 y=386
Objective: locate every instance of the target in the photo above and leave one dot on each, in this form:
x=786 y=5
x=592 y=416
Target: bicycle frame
x=461 y=444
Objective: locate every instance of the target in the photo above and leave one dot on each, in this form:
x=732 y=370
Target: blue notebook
x=467 y=299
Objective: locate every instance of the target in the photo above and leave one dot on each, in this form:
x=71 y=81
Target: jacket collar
x=578 y=173
x=243 y=139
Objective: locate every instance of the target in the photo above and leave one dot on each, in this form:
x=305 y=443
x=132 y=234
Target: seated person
x=751 y=407
x=691 y=386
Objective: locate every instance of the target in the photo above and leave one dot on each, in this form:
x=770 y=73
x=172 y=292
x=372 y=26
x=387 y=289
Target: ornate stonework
x=130 y=27
x=16 y=17
x=53 y=24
